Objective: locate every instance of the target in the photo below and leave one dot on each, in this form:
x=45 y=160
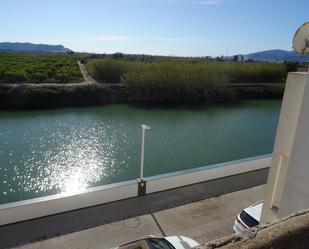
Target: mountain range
x=276 y=55
x=30 y=47
x=268 y=55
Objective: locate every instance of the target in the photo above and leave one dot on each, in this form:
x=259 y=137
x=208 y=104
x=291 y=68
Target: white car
x=249 y=217
x=173 y=242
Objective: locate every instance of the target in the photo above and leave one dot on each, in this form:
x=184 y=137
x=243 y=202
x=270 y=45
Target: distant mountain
x=30 y=47
x=277 y=54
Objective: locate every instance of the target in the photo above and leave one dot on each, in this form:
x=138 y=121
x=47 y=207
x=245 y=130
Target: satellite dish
x=301 y=39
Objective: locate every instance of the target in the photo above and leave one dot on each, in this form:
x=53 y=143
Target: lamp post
x=144 y=127
x=141 y=183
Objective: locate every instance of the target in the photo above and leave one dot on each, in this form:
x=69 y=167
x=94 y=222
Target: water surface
x=68 y=150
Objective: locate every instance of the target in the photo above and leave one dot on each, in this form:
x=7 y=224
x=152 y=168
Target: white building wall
x=287 y=183
x=296 y=188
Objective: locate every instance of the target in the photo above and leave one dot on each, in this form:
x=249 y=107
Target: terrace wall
x=290 y=232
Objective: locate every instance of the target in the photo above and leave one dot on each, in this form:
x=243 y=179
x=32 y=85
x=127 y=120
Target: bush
x=108 y=70
x=38 y=77
x=14 y=76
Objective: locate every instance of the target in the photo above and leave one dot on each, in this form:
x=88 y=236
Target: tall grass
x=111 y=70
x=183 y=80
x=256 y=72
x=177 y=81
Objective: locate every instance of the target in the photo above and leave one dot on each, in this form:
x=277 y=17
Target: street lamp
x=144 y=127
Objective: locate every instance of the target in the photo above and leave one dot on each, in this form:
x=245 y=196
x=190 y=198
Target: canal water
x=68 y=150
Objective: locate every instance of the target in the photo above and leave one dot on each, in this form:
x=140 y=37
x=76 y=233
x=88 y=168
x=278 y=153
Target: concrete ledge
x=202 y=174
x=38 y=207
x=290 y=232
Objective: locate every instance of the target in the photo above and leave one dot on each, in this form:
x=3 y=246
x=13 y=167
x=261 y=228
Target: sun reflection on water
x=69 y=158
x=75 y=184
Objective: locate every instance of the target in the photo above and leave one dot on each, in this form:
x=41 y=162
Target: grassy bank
x=43 y=96
x=270 y=91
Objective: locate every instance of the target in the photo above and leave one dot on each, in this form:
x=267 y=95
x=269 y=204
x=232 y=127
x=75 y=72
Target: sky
x=157 y=27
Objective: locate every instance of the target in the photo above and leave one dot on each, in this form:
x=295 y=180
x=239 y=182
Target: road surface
x=203 y=221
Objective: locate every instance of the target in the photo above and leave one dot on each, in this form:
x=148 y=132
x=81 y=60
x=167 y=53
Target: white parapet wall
x=39 y=207
x=49 y=205
x=206 y=173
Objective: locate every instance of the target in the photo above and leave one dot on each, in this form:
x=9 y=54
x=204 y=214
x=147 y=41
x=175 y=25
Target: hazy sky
x=166 y=27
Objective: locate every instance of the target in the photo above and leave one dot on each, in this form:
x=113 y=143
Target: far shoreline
x=32 y=96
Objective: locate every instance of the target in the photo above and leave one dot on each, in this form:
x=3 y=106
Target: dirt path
x=86 y=76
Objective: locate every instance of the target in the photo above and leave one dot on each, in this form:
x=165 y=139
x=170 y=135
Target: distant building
x=238 y=57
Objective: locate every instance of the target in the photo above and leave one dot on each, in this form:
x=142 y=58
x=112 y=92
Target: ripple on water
x=66 y=151
x=68 y=158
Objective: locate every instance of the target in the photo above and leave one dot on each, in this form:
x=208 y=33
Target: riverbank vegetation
x=142 y=79
x=113 y=70
x=42 y=96
x=179 y=80
x=19 y=67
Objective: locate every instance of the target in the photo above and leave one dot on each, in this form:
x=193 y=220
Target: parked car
x=249 y=217
x=173 y=242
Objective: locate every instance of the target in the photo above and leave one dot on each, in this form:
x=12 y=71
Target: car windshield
x=155 y=243
x=248 y=220
x=139 y=244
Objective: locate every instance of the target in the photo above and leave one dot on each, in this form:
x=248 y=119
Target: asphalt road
x=202 y=220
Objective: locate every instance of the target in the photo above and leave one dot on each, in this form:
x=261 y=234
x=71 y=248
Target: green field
x=38 y=68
